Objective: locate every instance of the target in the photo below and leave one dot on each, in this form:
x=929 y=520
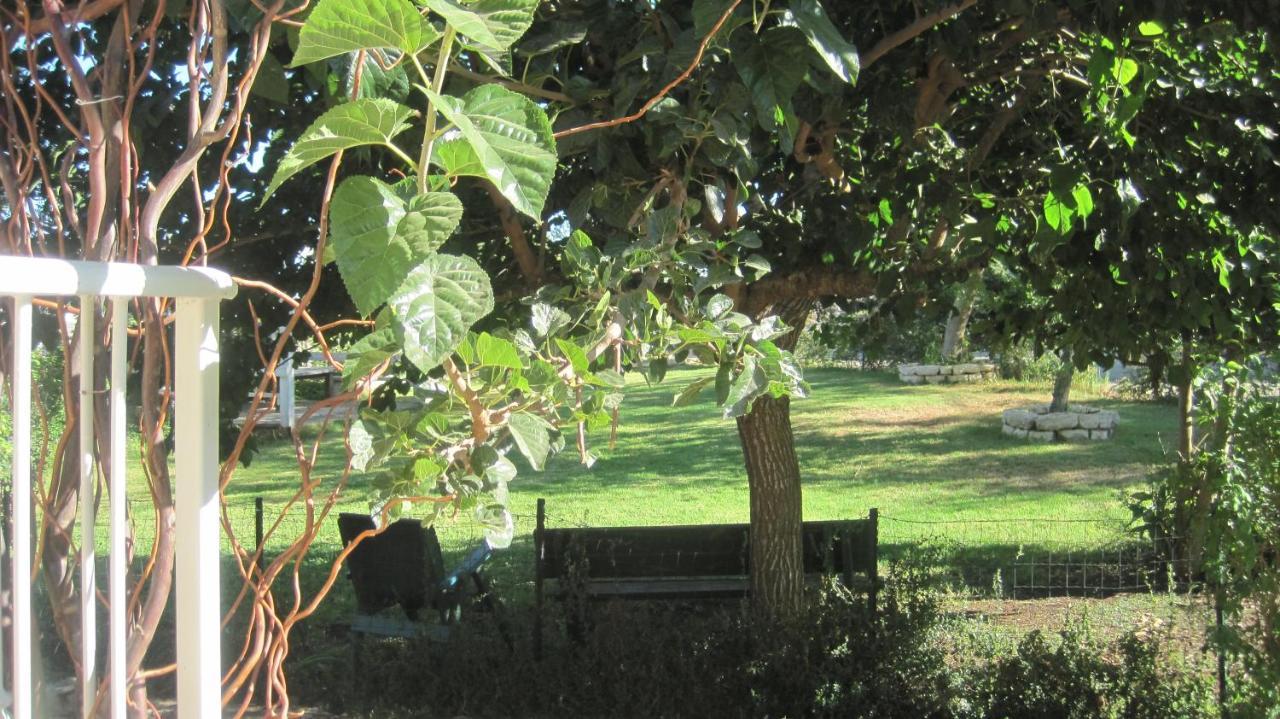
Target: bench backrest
x=401 y=565
x=842 y=547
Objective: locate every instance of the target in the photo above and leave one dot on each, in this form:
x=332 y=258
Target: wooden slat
x=836 y=547
x=696 y=588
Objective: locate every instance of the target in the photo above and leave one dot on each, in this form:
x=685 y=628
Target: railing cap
x=39 y=276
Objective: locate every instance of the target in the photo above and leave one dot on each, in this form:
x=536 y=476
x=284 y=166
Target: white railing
x=197 y=292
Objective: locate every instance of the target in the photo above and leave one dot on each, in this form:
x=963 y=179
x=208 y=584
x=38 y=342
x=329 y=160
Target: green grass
x=920 y=454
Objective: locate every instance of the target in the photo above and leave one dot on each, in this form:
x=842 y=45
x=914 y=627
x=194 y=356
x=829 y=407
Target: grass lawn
x=931 y=458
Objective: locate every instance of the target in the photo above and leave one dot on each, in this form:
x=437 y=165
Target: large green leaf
x=747 y=386
x=380 y=233
x=532 y=436
x=505 y=138
x=436 y=306
x=772 y=69
x=361 y=122
x=495 y=24
x=836 y=52
x=337 y=27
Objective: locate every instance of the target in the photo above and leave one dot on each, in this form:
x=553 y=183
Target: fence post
x=88 y=507
x=285 y=391
x=20 y=581
x=199 y=595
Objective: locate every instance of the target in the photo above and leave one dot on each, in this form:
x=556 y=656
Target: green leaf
x=436 y=306
x=505 y=138
x=361 y=122
x=548 y=319
x=572 y=352
x=1083 y=199
x=718 y=305
x=426 y=469
x=271 y=82
x=1150 y=28
x=1124 y=70
x=337 y=27
x=836 y=52
x=532 y=437
x=690 y=393
x=772 y=69
x=749 y=384
x=369 y=352
x=1057 y=213
x=707 y=12
x=657 y=369
x=380 y=233
x=496 y=24
x=496 y=352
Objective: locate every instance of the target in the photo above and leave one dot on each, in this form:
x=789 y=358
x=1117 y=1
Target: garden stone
x=1054 y=421
x=967 y=369
x=1099 y=434
x=1020 y=418
x=912 y=379
x=1073 y=435
x=1040 y=436
x=927 y=370
x=935 y=379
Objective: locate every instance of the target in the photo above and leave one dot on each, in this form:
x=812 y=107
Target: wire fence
x=1039 y=557
x=1021 y=558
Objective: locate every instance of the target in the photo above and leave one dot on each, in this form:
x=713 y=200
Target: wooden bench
x=403 y=565
x=709 y=561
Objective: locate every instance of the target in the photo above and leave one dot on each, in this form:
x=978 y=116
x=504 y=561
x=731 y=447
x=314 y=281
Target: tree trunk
x=1186 y=408
x=1062 y=384
x=958 y=322
x=773 y=479
x=773 y=476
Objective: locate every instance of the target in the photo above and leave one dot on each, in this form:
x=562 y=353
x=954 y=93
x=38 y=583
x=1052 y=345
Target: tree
x=771 y=161
x=945 y=153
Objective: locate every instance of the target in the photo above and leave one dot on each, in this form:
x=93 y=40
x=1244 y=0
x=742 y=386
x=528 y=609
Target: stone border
x=1078 y=423
x=968 y=372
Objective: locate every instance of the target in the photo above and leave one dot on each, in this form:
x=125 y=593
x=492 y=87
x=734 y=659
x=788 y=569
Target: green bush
x=1074 y=678
x=700 y=660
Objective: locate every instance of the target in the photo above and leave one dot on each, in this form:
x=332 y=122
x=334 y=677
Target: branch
x=697 y=59
x=806 y=284
x=514 y=231
x=915 y=29
x=83 y=13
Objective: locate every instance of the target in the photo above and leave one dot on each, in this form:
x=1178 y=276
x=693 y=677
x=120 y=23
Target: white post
x=117 y=492
x=199 y=612
x=88 y=507
x=20 y=582
x=285 y=391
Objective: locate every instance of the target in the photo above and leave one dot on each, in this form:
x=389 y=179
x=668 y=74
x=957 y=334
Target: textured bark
x=773 y=475
x=953 y=339
x=773 y=480
x=1186 y=404
x=1062 y=384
